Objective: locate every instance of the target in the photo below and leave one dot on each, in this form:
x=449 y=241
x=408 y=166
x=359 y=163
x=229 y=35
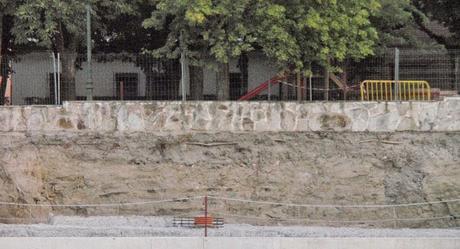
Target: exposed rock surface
x=301 y=167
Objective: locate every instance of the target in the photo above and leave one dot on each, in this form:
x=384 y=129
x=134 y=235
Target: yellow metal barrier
x=390 y=90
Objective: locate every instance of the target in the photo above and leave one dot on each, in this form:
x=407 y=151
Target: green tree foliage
x=292 y=33
x=124 y=33
x=61 y=25
x=446 y=12
x=399 y=23
x=395 y=25
x=7 y=7
x=316 y=31
x=203 y=29
x=45 y=20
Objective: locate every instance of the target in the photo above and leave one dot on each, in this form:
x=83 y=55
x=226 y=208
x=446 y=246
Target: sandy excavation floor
x=162 y=226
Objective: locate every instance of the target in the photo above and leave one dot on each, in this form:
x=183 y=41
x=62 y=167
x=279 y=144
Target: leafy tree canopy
x=316 y=30
x=61 y=25
x=7 y=6
x=293 y=33
x=446 y=12
x=201 y=27
x=41 y=21
x=124 y=32
x=395 y=25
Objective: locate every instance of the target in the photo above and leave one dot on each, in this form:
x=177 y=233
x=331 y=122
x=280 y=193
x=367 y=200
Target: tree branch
x=419 y=19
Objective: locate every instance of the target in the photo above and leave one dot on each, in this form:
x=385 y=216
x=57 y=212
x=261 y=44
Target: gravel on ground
x=135 y=226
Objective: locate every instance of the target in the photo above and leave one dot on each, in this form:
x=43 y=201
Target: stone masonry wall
x=178 y=117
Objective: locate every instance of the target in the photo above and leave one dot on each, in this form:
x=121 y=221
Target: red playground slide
x=262 y=87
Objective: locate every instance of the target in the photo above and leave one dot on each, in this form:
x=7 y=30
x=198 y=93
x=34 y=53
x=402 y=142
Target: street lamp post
x=89 y=83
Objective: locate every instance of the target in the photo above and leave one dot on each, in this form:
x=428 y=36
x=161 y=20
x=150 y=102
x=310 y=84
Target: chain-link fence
x=440 y=68
x=47 y=78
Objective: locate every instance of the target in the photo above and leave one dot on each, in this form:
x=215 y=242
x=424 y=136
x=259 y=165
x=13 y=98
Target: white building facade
x=33 y=79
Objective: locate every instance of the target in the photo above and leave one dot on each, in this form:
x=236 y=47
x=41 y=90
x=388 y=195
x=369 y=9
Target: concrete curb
x=229 y=243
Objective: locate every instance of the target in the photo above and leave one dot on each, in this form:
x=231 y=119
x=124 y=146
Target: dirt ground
x=314 y=168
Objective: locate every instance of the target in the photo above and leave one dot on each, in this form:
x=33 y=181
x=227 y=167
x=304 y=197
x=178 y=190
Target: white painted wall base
x=229 y=243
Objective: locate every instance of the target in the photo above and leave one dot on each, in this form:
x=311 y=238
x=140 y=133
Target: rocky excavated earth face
x=300 y=167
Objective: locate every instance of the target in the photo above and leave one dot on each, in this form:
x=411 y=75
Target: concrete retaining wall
x=178 y=117
x=230 y=243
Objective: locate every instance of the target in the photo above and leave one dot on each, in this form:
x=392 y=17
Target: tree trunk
x=196 y=82
x=299 y=87
x=244 y=69
x=68 y=56
x=457 y=73
x=454 y=60
x=4 y=78
x=3 y=64
x=223 y=82
x=326 y=84
x=1 y=32
x=284 y=88
x=68 y=60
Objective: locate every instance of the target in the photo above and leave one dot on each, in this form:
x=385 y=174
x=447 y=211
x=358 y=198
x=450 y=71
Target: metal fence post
x=184 y=74
x=56 y=101
x=396 y=76
x=12 y=74
x=59 y=78
x=310 y=85
x=299 y=87
x=326 y=82
x=206 y=216
x=122 y=92
x=305 y=87
x=457 y=72
x=89 y=83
